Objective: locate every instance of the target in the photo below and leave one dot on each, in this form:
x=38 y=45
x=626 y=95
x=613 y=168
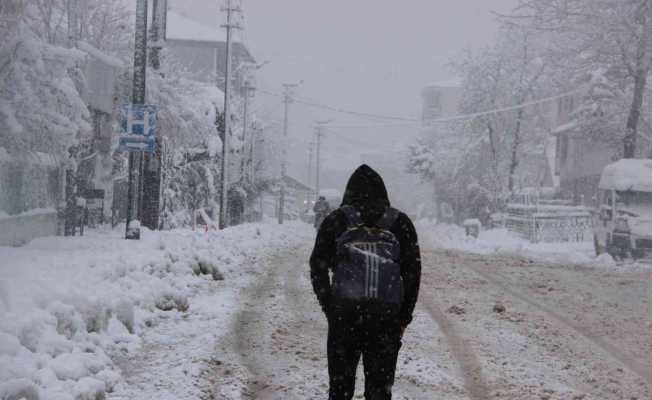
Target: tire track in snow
x=249 y=329
x=608 y=349
x=280 y=337
x=469 y=365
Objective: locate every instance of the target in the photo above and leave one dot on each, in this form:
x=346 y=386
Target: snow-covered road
x=486 y=326
x=566 y=333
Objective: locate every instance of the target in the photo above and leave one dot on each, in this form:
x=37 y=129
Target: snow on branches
x=41 y=108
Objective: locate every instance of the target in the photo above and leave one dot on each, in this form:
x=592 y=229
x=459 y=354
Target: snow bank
x=501 y=241
x=67 y=305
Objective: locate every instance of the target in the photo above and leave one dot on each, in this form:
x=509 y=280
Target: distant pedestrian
x=321 y=209
x=373 y=253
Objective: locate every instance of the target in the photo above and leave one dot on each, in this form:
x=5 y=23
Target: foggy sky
x=366 y=55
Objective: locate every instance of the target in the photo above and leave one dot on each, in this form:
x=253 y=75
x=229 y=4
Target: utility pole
x=152 y=163
x=257 y=136
x=318 y=134
x=311 y=150
x=159 y=11
x=138 y=97
x=247 y=91
x=252 y=146
x=287 y=100
x=227 y=116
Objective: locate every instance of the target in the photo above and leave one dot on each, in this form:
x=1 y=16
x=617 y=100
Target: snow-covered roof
x=105 y=58
x=628 y=174
x=182 y=27
x=448 y=83
x=296 y=184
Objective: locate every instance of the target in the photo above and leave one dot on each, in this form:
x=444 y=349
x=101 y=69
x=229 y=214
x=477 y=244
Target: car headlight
x=622 y=225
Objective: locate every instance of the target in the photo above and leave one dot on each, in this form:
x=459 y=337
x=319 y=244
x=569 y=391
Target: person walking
x=321 y=210
x=372 y=251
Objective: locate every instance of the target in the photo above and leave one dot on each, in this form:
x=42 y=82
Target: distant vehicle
x=624 y=226
x=307 y=214
x=333 y=196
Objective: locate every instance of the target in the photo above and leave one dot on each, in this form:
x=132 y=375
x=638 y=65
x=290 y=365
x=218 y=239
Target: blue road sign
x=139 y=119
x=146 y=144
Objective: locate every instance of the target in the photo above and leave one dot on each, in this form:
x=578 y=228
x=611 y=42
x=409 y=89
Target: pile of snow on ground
x=67 y=305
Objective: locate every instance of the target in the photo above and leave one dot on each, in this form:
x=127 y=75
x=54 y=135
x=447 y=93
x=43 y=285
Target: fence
x=550 y=222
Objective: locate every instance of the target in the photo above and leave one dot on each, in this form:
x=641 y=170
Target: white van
x=624 y=225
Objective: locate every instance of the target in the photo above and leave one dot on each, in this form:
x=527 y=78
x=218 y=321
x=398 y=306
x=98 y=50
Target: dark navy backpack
x=368 y=267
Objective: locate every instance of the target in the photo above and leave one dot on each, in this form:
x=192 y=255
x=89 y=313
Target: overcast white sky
x=366 y=55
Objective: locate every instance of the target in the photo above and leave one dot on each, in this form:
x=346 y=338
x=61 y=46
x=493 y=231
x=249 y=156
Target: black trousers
x=358 y=331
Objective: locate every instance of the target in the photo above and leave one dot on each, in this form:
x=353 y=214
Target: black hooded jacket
x=367 y=193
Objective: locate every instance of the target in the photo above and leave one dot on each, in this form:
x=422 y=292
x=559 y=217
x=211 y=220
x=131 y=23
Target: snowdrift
x=501 y=241
x=68 y=305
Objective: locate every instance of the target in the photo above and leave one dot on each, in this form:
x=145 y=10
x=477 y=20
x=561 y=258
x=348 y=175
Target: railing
x=550 y=223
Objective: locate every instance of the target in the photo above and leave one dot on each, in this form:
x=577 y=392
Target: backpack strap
x=352 y=216
x=387 y=220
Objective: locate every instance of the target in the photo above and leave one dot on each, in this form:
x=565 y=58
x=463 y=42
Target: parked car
x=624 y=221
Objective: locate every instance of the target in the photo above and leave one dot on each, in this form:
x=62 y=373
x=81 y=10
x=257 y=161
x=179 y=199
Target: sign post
x=138 y=97
x=138 y=125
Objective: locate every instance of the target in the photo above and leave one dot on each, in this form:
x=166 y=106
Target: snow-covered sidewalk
x=501 y=241
x=75 y=311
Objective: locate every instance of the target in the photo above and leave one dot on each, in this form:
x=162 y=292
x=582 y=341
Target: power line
x=311 y=103
x=462 y=117
x=418 y=123
x=354 y=113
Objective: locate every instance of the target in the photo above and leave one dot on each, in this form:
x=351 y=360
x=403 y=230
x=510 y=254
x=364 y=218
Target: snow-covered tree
x=484 y=154
x=105 y=24
x=41 y=108
x=40 y=103
x=608 y=38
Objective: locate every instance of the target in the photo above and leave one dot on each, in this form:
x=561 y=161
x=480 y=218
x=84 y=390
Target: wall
x=20 y=229
x=202 y=59
x=31 y=186
x=29 y=180
x=581 y=167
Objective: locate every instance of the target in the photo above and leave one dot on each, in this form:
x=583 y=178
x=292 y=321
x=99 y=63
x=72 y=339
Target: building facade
x=201 y=51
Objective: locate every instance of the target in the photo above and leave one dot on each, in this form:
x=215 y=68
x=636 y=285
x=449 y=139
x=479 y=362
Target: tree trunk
x=494 y=148
x=642 y=68
x=640 y=81
x=514 y=157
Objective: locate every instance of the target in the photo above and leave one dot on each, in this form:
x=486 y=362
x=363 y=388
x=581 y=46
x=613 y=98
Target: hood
x=366 y=192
